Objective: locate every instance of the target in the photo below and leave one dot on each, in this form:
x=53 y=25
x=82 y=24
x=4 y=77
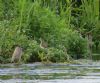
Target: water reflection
x=51 y=73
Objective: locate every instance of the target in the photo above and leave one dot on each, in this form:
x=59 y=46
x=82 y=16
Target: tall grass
x=89 y=20
x=49 y=19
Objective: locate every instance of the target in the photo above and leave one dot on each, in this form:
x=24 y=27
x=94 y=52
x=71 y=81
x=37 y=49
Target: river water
x=50 y=73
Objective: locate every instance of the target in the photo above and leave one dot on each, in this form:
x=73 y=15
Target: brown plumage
x=43 y=44
x=16 y=57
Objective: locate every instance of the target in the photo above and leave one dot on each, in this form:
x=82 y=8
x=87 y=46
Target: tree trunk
x=89 y=44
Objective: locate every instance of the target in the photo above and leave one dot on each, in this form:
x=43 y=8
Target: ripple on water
x=52 y=81
x=52 y=73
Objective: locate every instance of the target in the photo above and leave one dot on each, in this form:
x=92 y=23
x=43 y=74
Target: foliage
x=23 y=22
x=8 y=38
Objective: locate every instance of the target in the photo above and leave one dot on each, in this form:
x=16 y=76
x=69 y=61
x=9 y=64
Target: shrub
x=31 y=21
x=10 y=36
x=74 y=43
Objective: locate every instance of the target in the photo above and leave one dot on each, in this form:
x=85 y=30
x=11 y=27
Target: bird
x=43 y=44
x=16 y=56
x=45 y=54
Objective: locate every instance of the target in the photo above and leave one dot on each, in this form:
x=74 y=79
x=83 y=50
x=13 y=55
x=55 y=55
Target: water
x=50 y=73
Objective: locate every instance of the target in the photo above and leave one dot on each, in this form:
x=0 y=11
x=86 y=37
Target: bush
x=31 y=52
x=9 y=37
x=54 y=30
x=74 y=43
x=57 y=55
x=31 y=21
x=77 y=47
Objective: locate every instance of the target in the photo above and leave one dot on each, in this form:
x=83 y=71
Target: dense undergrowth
x=24 y=22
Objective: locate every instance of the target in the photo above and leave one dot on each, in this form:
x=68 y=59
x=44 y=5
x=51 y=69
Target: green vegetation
x=70 y=28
